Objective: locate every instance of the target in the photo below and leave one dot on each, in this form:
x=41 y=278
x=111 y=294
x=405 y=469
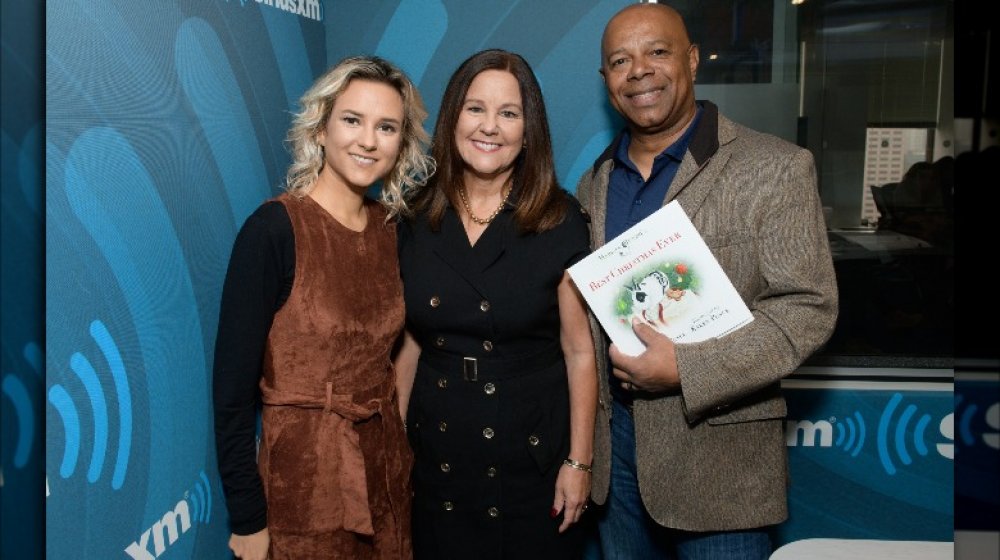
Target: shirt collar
x=675 y=151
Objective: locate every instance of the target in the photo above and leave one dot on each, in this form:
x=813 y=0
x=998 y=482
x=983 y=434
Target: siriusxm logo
x=966 y=412
x=894 y=434
x=87 y=375
x=305 y=8
x=312 y=9
x=196 y=505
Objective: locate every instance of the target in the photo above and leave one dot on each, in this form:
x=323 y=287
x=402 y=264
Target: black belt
x=474 y=368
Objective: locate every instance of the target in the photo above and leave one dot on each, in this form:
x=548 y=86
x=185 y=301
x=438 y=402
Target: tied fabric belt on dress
x=491 y=367
x=352 y=482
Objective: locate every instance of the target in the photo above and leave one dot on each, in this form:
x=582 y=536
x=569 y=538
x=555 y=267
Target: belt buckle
x=470 y=369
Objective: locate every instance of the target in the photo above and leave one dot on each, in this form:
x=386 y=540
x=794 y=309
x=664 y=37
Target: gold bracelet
x=577 y=465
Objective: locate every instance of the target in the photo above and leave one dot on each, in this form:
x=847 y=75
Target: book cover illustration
x=660 y=272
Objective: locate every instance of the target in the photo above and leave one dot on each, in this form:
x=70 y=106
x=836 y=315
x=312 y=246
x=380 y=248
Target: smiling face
x=489 y=133
x=363 y=134
x=648 y=64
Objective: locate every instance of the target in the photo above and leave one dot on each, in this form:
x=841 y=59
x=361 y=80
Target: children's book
x=660 y=272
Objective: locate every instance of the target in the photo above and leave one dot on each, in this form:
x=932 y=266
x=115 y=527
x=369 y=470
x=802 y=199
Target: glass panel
x=870 y=112
x=866 y=86
x=735 y=39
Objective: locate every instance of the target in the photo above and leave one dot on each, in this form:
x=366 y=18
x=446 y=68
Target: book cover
x=661 y=272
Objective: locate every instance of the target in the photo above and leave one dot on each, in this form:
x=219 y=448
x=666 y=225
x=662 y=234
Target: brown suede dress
x=333 y=456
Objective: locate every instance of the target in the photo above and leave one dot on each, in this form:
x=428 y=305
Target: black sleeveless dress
x=489 y=413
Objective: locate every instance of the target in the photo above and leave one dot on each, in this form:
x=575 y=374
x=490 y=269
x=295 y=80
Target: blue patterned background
x=165 y=123
x=977 y=443
x=164 y=128
x=883 y=471
x=22 y=482
x=560 y=39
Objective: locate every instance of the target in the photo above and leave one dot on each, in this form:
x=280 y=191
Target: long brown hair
x=540 y=204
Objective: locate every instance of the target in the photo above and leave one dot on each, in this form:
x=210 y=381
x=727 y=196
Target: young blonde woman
x=311 y=308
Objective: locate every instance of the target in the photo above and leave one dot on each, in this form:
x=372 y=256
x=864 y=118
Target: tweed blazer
x=712 y=455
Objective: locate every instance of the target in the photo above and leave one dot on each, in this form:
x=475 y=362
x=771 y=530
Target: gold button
x=494 y=512
x=435 y=301
x=491 y=472
x=488 y=433
x=487 y=345
x=489 y=388
x=443 y=426
x=484 y=305
x=443 y=383
x=445 y=467
x=439 y=342
x=533 y=440
x=448 y=506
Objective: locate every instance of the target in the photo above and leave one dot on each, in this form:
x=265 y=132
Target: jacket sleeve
x=794 y=307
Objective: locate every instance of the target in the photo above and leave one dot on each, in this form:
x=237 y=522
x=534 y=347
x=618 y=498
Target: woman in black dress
x=498 y=359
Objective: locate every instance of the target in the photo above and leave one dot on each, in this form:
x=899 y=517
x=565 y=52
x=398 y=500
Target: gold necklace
x=478 y=220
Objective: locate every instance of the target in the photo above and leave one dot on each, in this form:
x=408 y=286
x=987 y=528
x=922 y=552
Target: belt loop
x=470 y=369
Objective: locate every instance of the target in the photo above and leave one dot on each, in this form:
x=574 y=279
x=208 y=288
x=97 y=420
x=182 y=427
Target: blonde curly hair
x=413 y=166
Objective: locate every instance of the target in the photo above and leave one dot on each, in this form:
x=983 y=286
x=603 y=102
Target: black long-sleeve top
x=258 y=282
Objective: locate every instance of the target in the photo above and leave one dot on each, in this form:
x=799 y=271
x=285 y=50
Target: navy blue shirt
x=630 y=197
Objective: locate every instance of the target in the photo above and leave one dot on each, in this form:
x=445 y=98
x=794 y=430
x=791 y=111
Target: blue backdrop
x=165 y=123
x=870 y=460
x=977 y=443
x=164 y=129
x=559 y=38
x=22 y=482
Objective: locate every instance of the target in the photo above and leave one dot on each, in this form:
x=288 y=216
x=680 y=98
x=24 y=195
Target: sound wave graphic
x=897 y=440
x=965 y=415
x=67 y=410
x=15 y=390
x=201 y=500
x=851 y=438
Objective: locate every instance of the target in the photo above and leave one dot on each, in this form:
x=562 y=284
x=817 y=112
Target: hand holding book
x=660 y=272
x=652 y=371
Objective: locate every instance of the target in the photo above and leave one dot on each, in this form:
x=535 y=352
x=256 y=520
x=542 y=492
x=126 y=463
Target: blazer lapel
x=492 y=244
x=453 y=248
x=695 y=181
x=599 y=203
x=703 y=162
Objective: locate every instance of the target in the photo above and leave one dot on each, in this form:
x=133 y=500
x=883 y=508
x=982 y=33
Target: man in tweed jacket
x=690 y=458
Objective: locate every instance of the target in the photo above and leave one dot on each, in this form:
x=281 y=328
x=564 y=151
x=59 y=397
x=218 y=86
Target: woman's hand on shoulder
x=250 y=547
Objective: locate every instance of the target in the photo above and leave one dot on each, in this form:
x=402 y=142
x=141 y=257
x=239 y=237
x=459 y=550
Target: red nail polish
x=553 y=513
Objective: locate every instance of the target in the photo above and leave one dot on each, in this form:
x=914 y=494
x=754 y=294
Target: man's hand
x=251 y=547
x=653 y=371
